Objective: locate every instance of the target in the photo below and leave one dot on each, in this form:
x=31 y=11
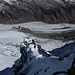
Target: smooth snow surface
x=11 y=36
x=6 y=61
x=9 y=50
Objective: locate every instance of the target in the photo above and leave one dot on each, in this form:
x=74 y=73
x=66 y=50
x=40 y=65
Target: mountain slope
x=49 y=11
x=34 y=61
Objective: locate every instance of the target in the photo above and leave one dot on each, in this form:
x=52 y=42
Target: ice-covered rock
x=36 y=61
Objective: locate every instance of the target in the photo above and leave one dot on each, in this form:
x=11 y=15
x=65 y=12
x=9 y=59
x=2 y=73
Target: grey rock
x=48 y=11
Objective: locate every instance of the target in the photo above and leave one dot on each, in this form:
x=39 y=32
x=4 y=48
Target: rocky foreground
x=49 y=11
x=36 y=61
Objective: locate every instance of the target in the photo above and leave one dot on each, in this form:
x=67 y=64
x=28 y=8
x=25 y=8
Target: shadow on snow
x=7 y=71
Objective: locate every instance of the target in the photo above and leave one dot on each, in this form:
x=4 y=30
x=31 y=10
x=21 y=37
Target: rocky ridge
x=49 y=11
x=36 y=61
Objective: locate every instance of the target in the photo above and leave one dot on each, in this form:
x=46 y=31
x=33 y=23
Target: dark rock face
x=42 y=10
x=22 y=29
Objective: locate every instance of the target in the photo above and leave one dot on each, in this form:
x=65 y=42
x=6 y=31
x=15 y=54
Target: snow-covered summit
x=35 y=60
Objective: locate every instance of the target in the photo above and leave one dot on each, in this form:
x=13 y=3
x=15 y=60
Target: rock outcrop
x=22 y=29
x=49 y=11
x=36 y=61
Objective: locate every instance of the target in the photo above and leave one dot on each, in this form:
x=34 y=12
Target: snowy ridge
x=34 y=61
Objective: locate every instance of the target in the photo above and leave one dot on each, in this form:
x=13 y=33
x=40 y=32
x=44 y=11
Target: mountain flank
x=47 y=11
